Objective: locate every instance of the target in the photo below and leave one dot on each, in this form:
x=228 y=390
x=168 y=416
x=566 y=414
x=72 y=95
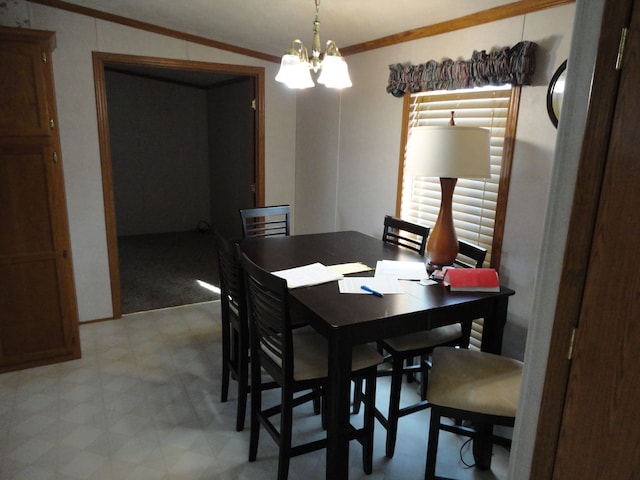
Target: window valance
x=508 y=65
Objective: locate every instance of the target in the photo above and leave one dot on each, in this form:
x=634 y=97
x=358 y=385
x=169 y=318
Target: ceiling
x=269 y=26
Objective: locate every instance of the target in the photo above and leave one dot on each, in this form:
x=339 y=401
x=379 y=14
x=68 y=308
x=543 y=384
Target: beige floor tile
x=144 y=403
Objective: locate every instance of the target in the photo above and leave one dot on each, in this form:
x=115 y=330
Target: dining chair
x=408 y=235
x=235 y=326
x=477 y=386
x=395 y=231
x=296 y=359
x=265 y=221
x=470 y=255
x=402 y=350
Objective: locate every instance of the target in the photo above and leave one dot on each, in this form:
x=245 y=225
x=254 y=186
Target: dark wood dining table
x=348 y=319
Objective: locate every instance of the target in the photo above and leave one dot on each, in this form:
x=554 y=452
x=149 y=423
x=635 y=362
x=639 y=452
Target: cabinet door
x=38 y=312
x=24 y=109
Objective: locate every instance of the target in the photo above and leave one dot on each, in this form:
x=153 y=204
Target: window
x=479 y=206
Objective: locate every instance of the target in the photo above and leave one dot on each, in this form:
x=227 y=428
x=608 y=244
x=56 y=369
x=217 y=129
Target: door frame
x=582 y=222
x=100 y=62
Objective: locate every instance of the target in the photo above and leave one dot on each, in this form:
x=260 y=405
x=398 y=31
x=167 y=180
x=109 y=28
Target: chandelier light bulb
x=296 y=66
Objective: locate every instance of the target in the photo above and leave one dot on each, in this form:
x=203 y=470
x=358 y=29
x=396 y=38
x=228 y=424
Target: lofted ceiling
x=268 y=27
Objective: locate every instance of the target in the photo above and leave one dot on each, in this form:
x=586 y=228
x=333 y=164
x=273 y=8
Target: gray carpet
x=162 y=270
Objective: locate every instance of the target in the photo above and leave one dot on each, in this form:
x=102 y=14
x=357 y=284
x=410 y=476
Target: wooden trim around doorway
x=102 y=60
x=591 y=167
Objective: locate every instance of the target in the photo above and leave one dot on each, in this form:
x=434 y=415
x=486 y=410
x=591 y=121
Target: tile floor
x=144 y=403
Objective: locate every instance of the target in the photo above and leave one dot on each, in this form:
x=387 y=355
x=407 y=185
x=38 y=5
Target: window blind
x=474 y=201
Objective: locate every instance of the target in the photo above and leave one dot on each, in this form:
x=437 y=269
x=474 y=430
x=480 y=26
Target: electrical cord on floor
x=506 y=444
x=465 y=444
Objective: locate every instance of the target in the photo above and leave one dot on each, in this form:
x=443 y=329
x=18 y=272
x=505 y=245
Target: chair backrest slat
x=269 y=321
x=230 y=272
x=395 y=231
x=470 y=255
x=265 y=221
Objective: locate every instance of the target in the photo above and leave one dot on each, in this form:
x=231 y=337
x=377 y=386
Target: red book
x=472 y=279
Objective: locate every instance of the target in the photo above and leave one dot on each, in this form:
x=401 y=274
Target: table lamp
x=449 y=152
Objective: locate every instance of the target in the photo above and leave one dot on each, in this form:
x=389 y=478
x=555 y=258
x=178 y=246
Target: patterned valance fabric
x=508 y=65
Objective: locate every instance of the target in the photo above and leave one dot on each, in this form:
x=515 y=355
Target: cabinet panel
x=38 y=311
x=33 y=318
x=24 y=109
x=25 y=199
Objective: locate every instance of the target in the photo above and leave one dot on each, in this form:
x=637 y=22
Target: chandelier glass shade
x=296 y=66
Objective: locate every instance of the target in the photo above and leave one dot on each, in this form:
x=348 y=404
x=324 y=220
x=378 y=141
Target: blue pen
x=372 y=291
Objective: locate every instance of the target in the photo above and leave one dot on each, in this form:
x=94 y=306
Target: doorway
x=237 y=180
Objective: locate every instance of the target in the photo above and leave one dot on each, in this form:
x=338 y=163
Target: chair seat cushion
x=474 y=381
x=310 y=355
x=424 y=339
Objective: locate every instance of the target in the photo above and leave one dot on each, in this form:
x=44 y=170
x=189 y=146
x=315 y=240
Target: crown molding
x=485 y=16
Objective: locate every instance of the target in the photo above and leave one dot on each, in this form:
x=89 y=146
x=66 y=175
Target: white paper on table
x=401 y=270
x=384 y=285
x=307 y=275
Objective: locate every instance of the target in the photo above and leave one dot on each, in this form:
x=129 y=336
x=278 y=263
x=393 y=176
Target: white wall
x=360 y=159
x=317 y=155
x=76 y=37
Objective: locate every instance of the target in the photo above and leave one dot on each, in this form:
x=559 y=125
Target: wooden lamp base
x=442 y=247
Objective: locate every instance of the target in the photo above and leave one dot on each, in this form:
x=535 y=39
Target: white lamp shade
x=294 y=73
x=334 y=73
x=448 y=151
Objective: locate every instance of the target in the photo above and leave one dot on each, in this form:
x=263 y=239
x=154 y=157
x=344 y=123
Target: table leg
x=493 y=329
x=338 y=400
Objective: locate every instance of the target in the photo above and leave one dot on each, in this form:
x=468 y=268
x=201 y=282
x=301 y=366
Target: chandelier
x=296 y=66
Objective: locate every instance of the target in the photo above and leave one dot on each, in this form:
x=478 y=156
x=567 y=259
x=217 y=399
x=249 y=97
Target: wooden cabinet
x=38 y=311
